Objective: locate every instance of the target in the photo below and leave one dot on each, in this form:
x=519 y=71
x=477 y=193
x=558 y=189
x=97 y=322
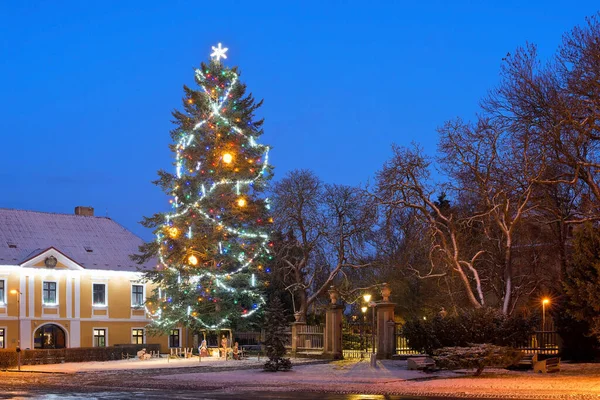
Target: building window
x=137 y=295
x=99 y=337
x=137 y=336
x=2 y=291
x=49 y=294
x=174 y=338
x=99 y=294
x=2 y=337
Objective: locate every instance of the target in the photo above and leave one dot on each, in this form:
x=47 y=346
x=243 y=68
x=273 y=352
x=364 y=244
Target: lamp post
x=14 y=291
x=544 y=302
x=363 y=344
x=367 y=298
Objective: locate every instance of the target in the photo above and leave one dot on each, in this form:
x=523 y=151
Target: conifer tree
x=582 y=284
x=213 y=247
x=275 y=325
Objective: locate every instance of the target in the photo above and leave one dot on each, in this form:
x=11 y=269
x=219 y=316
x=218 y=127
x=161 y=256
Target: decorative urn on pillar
x=385 y=292
x=333 y=294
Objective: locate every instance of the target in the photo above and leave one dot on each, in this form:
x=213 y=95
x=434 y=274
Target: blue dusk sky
x=87 y=87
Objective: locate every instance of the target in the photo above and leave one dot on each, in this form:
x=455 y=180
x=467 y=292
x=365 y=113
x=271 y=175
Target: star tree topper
x=219 y=52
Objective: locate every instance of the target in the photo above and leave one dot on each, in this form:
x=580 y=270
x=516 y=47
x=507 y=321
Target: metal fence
x=357 y=339
x=249 y=338
x=542 y=342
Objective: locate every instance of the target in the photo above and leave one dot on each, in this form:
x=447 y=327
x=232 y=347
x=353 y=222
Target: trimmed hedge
x=8 y=358
x=469 y=327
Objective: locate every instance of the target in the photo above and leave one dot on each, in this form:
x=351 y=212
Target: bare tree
x=500 y=172
x=326 y=232
x=557 y=106
x=404 y=183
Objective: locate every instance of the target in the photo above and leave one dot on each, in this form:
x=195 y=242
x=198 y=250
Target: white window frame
x=56 y=303
x=169 y=338
x=143 y=294
x=143 y=335
x=105 y=336
x=3 y=297
x=105 y=305
x=5 y=336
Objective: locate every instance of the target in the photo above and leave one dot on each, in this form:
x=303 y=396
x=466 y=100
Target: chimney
x=85 y=211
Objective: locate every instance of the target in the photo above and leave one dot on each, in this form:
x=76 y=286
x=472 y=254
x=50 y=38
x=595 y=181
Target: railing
x=357 y=339
x=402 y=346
x=249 y=338
x=542 y=342
x=310 y=337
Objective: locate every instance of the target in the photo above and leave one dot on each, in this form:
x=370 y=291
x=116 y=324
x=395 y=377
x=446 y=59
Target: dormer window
x=88 y=249
x=11 y=245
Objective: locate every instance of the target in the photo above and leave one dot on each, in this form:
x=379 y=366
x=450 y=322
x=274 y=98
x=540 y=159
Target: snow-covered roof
x=92 y=242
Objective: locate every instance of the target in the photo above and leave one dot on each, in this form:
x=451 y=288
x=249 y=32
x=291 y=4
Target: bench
x=420 y=363
x=547 y=366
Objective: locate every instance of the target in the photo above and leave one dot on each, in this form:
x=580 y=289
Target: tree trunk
x=508 y=273
x=303 y=309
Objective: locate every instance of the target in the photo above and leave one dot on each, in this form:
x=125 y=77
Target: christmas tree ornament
x=218 y=53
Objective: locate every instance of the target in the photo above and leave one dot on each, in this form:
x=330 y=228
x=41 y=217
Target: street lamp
x=544 y=302
x=367 y=299
x=16 y=292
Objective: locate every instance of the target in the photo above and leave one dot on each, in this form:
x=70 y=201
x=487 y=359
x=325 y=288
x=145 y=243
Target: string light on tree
x=221 y=279
x=173 y=232
x=227 y=158
x=193 y=260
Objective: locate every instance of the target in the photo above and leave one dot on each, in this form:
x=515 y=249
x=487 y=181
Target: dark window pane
x=99 y=290
x=137 y=295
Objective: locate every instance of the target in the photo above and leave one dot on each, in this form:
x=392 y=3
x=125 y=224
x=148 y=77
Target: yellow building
x=67 y=281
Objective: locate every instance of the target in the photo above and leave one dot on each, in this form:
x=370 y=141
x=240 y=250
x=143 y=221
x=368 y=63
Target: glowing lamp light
x=193 y=260
x=363 y=309
x=227 y=158
x=545 y=301
x=241 y=202
x=14 y=291
x=367 y=298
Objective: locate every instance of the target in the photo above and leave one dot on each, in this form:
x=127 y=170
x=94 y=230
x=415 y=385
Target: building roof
x=92 y=242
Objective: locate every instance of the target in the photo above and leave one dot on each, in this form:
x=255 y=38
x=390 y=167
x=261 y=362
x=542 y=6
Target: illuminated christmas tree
x=213 y=247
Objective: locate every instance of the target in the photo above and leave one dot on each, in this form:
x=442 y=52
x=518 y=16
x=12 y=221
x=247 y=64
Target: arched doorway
x=49 y=336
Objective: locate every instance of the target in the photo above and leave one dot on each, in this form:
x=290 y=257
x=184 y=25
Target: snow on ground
x=153 y=363
x=394 y=377
x=389 y=377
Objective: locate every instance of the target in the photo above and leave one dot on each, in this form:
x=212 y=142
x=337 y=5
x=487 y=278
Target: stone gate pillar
x=386 y=335
x=296 y=327
x=333 y=327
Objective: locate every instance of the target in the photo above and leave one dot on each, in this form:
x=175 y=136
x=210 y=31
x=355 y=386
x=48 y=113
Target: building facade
x=68 y=281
